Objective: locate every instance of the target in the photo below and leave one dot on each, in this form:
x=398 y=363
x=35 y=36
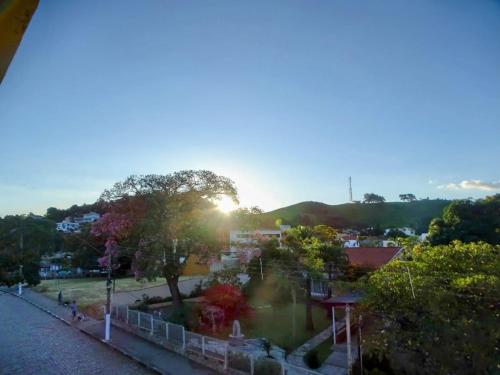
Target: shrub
x=238 y=361
x=229 y=298
x=267 y=366
x=197 y=291
x=186 y=315
x=312 y=360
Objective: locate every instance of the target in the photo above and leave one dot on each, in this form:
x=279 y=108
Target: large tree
x=438 y=313
x=23 y=240
x=174 y=217
x=407 y=197
x=468 y=221
x=373 y=198
x=315 y=252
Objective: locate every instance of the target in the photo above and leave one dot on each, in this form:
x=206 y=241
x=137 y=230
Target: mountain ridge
x=416 y=214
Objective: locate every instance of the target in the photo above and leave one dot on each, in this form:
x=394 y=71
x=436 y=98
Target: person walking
x=74 y=310
x=60 y=297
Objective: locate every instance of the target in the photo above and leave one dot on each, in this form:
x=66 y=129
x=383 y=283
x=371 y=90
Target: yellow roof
x=15 y=16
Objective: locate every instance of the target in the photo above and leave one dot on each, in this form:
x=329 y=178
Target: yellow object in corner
x=15 y=16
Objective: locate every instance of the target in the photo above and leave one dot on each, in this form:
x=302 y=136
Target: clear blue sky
x=288 y=98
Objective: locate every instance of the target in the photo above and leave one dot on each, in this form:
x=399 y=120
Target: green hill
x=417 y=214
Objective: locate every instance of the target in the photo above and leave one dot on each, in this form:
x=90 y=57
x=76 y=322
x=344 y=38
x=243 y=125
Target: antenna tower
x=350 y=189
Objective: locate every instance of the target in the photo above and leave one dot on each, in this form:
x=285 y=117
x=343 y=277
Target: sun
x=226 y=204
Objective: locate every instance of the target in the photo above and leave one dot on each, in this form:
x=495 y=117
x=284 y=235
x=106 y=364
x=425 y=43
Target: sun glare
x=226 y=204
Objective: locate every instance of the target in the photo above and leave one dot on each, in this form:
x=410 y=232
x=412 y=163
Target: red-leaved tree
x=229 y=298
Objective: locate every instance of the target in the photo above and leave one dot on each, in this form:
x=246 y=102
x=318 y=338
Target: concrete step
x=333 y=370
x=339 y=358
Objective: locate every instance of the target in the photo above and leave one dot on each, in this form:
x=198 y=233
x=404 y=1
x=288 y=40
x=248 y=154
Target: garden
x=263 y=313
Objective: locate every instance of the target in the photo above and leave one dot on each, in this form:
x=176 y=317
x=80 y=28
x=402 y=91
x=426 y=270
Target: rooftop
x=371 y=257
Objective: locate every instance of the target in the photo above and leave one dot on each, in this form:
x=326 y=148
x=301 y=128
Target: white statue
x=236 y=338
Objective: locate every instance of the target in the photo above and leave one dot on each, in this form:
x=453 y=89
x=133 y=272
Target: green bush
x=186 y=315
x=238 y=361
x=31 y=274
x=197 y=291
x=312 y=359
x=267 y=366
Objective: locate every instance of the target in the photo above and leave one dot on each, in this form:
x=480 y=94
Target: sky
x=287 y=98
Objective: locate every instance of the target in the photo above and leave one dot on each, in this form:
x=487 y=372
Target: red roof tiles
x=371 y=257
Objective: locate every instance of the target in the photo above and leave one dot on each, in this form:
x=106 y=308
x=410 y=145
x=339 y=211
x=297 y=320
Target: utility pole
x=21 y=246
x=174 y=243
x=348 y=336
x=350 y=189
x=360 y=349
x=20 y=286
x=334 y=326
x=411 y=282
x=107 y=329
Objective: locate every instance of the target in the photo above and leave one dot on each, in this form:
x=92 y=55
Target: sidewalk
x=334 y=365
x=186 y=286
x=142 y=351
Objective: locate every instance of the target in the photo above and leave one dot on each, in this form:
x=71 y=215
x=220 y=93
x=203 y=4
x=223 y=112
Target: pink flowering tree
x=112 y=228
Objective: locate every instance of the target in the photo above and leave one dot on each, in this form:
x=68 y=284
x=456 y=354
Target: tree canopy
x=312 y=252
x=468 y=221
x=445 y=320
x=407 y=197
x=373 y=198
x=23 y=240
x=174 y=217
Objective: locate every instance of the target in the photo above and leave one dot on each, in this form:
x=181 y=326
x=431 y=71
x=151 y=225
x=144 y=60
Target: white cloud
x=472 y=185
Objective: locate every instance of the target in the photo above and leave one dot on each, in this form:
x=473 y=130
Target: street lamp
x=107 y=328
x=20 y=286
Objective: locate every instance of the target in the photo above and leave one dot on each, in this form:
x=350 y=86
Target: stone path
x=33 y=342
x=335 y=364
x=148 y=354
x=296 y=357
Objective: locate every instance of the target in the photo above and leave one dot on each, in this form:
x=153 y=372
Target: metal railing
x=207 y=347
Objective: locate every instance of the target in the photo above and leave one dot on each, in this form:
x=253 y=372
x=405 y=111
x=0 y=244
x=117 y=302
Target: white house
x=70 y=225
x=242 y=243
x=423 y=236
x=90 y=217
x=241 y=237
x=389 y=243
x=406 y=230
x=67 y=226
x=87 y=218
x=351 y=243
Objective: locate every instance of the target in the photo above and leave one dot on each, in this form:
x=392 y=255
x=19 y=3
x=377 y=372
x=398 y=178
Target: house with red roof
x=364 y=259
x=372 y=258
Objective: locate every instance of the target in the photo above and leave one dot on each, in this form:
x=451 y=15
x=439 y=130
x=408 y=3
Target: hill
x=417 y=214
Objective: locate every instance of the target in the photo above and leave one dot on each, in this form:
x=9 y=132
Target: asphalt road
x=33 y=342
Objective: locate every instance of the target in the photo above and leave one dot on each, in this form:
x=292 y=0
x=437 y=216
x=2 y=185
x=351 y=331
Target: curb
x=110 y=345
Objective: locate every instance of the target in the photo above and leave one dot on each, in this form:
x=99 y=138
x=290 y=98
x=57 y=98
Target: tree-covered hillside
x=417 y=214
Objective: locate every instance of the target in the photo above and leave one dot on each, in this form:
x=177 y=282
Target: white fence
x=206 y=347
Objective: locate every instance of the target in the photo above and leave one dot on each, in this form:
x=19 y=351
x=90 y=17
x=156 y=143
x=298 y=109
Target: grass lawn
x=89 y=291
x=276 y=325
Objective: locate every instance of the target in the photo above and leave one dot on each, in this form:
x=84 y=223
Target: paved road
x=32 y=342
x=186 y=286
